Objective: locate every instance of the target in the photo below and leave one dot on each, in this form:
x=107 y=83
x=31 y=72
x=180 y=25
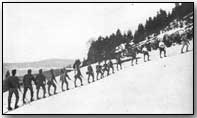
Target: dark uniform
x=90 y=73
x=99 y=71
x=133 y=54
x=119 y=62
x=27 y=81
x=185 y=42
x=7 y=75
x=13 y=86
x=52 y=83
x=64 y=80
x=132 y=51
x=78 y=75
x=145 y=52
x=5 y=82
x=110 y=65
x=105 y=68
x=40 y=82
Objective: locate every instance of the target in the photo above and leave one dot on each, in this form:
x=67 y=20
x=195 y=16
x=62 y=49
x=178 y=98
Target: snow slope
x=156 y=87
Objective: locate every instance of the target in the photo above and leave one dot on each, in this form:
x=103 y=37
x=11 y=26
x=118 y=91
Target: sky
x=38 y=31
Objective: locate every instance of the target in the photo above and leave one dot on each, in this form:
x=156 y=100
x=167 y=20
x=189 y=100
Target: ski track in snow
x=159 y=86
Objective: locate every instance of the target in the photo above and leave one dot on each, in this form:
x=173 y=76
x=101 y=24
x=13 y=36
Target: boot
x=49 y=94
x=16 y=106
x=32 y=100
x=9 y=108
x=24 y=102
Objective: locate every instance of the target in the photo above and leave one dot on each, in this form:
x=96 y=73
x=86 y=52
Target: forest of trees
x=104 y=47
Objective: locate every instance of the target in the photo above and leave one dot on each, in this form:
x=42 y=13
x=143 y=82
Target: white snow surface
x=180 y=30
x=160 y=86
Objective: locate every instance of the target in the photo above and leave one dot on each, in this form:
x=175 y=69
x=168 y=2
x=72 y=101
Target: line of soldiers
x=100 y=71
x=146 y=48
x=107 y=67
x=40 y=80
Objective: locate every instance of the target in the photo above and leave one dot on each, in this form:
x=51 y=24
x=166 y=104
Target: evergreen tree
x=139 y=34
x=104 y=47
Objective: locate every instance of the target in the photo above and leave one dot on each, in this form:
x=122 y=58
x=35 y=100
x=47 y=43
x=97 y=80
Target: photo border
x=98 y=3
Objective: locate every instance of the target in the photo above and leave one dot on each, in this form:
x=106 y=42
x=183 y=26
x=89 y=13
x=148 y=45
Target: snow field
x=159 y=86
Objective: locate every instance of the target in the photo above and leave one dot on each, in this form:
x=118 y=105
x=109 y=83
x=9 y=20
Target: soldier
x=185 y=42
x=119 y=62
x=105 y=68
x=51 y=82
x=99 y=71
x=162 y=48
x=78 y=74
x=110 y=65
x=40 y=82
x=27 y=81
x=13 y=86
x=7 y=74
x=145 y=52
x=133 y=53
x=5 y=81
x=90 y=72
x=63 y=79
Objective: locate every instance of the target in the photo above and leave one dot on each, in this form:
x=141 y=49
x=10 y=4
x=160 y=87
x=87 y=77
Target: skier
x=127 y=46
x=63 y=78
x=5 y=83
x=40 y=82
x=52 y=83
x=162 y=48
x=105 y=68
x=118 y=61
x=7 y=75
x=145 y=52
x=99 y=71
x=185 y=42
x=131 y=50
x=27 y=81
x=90 y=72
x=13 y=86
x=78 y=74
x=133 y=53
x=110 y=65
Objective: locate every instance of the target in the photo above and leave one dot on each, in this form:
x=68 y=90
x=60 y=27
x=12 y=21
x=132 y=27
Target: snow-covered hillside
x=159 y=86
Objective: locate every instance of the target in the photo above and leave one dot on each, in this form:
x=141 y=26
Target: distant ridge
x=43 y=63
x=47 y=63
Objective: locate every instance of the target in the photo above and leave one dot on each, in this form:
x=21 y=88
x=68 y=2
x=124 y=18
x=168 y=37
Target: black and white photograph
x=97 y=58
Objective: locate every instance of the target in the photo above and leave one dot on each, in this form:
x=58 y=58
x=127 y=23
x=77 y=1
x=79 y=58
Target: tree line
x=104 y=47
